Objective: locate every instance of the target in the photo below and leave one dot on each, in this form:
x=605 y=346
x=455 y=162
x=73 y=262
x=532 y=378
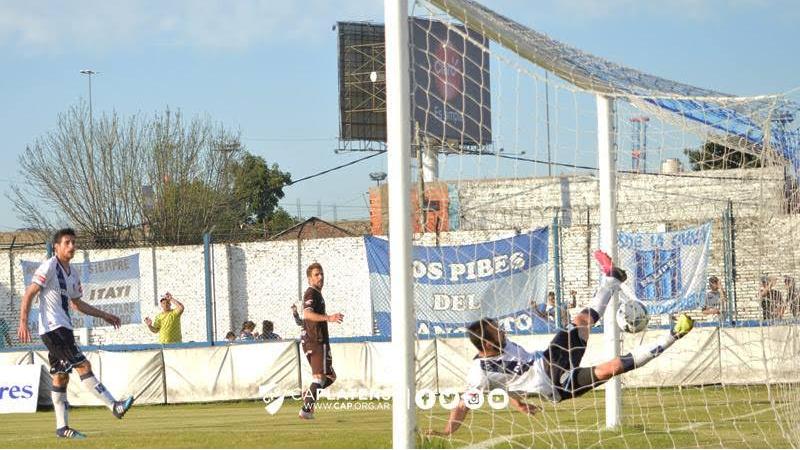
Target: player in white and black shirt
x=58 y=286
x=554 y=373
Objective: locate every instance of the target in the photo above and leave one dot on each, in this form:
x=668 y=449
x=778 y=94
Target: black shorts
x=562 y=362
x=319 y=358
x=62 y=353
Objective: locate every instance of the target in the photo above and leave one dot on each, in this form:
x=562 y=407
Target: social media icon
x=497 y=398
x=448 y=398
x=473 y=398
x=425 y=399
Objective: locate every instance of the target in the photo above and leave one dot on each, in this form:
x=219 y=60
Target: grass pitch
x=733 y=417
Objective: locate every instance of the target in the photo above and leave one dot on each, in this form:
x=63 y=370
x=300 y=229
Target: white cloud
x=42 y=26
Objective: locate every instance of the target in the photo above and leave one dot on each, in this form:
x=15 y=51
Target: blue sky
x=268 y=69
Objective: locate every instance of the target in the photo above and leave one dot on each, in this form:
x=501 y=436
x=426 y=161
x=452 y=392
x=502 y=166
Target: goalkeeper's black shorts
x=562 y=363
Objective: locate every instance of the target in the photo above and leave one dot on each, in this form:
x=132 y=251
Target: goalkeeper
x=554 y=373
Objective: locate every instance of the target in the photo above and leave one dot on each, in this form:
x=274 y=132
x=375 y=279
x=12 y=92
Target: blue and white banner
x=666 y=271
x=455 y=285
x=111 y=285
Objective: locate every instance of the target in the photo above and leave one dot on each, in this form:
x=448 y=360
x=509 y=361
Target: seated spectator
x=267 y=332
x=715 y=297
x=771 y=300
x=247 y=333
x=230 y=337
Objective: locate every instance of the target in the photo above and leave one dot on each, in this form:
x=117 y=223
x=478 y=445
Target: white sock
x=608 y=287
x=60 y=406
x=98 y=389
x=643 y=354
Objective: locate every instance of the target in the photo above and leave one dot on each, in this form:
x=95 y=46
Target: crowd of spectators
x=248 y=332
x=778 y=304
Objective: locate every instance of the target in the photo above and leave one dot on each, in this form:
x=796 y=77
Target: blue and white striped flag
x=666 y=271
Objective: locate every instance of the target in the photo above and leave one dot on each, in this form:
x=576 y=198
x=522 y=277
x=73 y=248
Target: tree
x=188 y=169
x=83 y=175
x=258 y=187
x=162 y=178
x=715 y=156
x=281 y=220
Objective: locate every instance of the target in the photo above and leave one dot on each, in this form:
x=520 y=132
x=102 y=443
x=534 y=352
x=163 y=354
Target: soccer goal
x=514 y=156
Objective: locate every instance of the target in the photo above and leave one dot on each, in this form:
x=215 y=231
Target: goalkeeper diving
x=554 y=373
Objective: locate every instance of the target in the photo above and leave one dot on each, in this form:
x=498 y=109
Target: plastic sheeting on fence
x=756 y=355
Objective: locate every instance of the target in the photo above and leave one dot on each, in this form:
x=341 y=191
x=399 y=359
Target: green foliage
x=161 y=178
x=257 y=188
x=715 y=156
x=281 y=220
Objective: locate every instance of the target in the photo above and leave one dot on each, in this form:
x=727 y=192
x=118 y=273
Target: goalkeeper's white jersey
x=514 y=370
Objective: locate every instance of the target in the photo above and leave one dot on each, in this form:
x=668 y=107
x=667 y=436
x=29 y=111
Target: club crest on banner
x=668 y=269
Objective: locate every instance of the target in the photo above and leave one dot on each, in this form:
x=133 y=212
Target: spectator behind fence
x=296 y=316
x=247 y=332
x=267 y=332
x=792 y=296
x=168 y=321
x=4 y=339
x=715 y=297
x=548 y=311
x=771 y=300
x=230 y=337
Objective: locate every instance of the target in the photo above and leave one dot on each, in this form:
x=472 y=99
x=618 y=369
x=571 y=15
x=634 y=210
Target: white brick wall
x=260 y=280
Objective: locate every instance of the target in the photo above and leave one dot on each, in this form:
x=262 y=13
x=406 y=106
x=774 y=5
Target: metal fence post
x=554 y=228
x=729 y=262
x=207 y=263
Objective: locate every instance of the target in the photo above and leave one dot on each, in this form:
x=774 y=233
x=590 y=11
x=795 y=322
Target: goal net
x=506 y=208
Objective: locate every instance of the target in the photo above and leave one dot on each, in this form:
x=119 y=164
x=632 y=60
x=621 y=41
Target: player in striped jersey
x=58 y=286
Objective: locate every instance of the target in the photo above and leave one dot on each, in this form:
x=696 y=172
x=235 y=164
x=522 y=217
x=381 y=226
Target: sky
x=269 y=69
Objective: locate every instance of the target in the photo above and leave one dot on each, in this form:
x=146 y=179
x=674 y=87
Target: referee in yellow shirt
x=168 y=321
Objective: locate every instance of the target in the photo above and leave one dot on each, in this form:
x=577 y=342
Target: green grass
x=691 y=418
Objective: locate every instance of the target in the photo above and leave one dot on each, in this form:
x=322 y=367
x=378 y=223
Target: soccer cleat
x=69 y=433
x=607 y=266
x=306 y=415
x=121 y=407
x=683 y=325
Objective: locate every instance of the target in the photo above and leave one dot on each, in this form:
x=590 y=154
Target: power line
x=675 y=175
x=378 y=152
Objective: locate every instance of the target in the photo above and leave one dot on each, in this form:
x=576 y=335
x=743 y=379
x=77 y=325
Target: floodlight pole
x=607 y=158
x=398 y=133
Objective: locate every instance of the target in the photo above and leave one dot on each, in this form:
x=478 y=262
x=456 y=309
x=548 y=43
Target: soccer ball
x=632 y=316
